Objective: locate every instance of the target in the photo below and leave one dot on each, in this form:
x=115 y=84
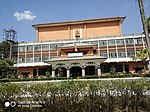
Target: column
x=53 y=72
x=83 y=71
x=124 y=68
x=68 y=72
x=99 y=70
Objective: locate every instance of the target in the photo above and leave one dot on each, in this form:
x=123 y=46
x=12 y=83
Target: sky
x=22 y=14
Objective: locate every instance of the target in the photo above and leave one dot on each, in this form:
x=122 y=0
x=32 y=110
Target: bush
x=80 y=96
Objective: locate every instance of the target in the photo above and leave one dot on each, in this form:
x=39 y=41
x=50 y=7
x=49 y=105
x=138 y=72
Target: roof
x=121 y=19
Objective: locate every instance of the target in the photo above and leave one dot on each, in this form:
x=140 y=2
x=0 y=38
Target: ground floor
x=75 y=69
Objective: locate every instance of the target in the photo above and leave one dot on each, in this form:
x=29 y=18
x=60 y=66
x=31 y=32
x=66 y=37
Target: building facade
x=79 y=48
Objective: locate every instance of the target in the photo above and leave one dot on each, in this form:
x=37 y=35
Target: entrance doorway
x=34 y=73
x=61 y=72
x=75 y=72
x=138 y=70
x=126 y=68
x=90 y=70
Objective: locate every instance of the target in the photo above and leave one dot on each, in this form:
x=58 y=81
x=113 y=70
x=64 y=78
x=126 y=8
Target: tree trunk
x=145 y=27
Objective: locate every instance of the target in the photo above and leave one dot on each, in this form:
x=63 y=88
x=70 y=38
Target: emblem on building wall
x=77 y=33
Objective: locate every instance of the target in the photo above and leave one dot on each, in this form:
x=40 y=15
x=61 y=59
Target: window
x=112 y=54
x=120 y=42
x=21 y=48
x=138 y=41
x=121 y=54
x=111 y=42
x=37 y=59
x=130 y=53
x=94 y=42
x=129 y=41
x=21 y=60
x=29 y=48
x=37 y=47
x=45 y=47
x=45 y=58
x=104 y=54
x=103 y=43
x=29 y=59
x=53 y=47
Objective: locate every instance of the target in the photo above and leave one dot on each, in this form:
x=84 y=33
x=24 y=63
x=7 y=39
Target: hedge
x=80 y=96
x=85 y=77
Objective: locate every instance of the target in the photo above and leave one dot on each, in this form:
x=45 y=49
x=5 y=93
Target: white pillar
x=83 y=72
x=68 y=73
x=53 y=72
x=124 y=69
x=99 y=70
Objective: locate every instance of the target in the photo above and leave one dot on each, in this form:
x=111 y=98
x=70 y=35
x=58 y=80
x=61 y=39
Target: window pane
x=21 y=60
x=45 y=58
x=21 y=48
x=45 y=47
x=53 y=46
x=130 y=53
x=29 y=59
x=102 y=43
x=138 y=41
x=37 y=59
x=120 y=42
x=129 y=41
x=37 y=47
x=29 y=48
x=104 y=54
x=111 y=42
x=112 y=54
x=121 y=54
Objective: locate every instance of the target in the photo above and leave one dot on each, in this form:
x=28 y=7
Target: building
x=79 y=48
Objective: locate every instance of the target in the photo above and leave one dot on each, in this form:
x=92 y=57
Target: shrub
x=79 y=96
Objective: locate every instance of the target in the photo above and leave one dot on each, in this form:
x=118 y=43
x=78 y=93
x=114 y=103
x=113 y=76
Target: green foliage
x=79 y=96
x=6 y=69
x=4 y=50
x=142 y=54
x=85 y=77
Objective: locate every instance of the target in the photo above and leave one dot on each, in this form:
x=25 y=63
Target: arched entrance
x=61 y=72
x=75 y=71
x=90 y=70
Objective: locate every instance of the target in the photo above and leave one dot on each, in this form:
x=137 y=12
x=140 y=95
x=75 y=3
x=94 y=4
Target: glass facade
x=121 y=47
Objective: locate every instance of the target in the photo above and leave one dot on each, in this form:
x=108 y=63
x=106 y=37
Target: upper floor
x=115 y=49
x=79 y=29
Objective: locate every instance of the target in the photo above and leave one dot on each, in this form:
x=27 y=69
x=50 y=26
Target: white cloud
x=26 y=15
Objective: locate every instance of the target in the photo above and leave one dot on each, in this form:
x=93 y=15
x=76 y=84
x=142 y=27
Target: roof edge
x=121 y=19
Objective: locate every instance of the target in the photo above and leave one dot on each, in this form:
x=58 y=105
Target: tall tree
x=145 y=26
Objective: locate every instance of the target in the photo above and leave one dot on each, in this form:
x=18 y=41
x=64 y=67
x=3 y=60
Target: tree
x=145 y=27
x=7 y=69
x=4 y=50
x=141 y=55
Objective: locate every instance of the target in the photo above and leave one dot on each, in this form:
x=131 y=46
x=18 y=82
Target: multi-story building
x=79 y=48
